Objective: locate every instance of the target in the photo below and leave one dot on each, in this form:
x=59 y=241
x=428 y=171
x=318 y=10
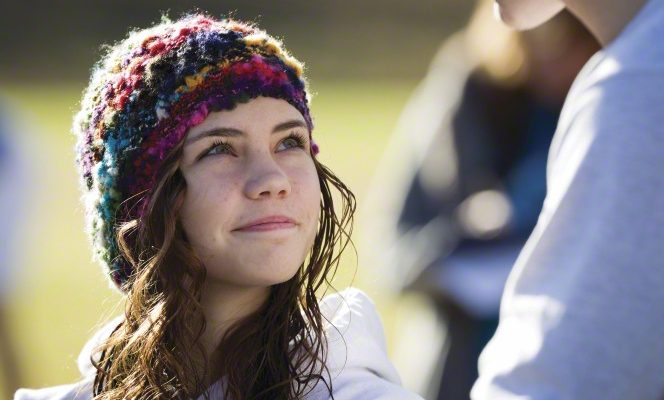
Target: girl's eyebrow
x=293 y=123
x=233 y=132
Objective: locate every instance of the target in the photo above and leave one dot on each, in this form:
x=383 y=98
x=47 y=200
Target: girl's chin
x=272 y=275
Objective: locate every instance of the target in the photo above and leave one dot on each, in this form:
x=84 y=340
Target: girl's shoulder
x=357 y=353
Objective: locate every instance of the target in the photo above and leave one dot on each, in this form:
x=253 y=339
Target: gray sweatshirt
x=582 y=315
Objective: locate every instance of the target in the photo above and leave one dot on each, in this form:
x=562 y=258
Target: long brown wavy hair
x=277 y=352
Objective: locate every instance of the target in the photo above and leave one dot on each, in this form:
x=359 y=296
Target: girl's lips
x=270 y=226
x=270 y=223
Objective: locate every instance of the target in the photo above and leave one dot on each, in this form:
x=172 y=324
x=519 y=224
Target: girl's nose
x=266 y=179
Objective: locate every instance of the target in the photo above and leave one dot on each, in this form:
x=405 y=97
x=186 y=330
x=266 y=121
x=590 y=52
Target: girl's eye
x=293 y=140
x=219 y=147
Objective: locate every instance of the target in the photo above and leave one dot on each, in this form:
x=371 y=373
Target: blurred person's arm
x=10 y=207
x=408 y=224
x=581 y=316
x=20 y=153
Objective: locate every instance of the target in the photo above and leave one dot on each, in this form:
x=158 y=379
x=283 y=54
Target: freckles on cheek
x=311 y=197
x=209 y=220
x=196 y=194
x=212 y=204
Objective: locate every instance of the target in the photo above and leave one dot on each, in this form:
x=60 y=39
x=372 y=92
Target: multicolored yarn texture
x=147 y=92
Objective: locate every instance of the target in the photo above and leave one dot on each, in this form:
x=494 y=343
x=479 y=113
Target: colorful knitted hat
x=147 y=92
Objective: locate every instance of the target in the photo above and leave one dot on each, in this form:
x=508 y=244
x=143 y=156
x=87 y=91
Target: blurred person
x=472 y=146
x=581 y=316
x=209 y=211
x=14 y=172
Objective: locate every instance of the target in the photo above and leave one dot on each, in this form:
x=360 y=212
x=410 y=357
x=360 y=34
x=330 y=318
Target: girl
x=209 y=210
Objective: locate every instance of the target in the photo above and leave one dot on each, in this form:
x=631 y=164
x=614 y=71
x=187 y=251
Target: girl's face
x=252 y=198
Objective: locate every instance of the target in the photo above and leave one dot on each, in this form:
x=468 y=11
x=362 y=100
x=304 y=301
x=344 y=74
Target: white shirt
x=357 y=357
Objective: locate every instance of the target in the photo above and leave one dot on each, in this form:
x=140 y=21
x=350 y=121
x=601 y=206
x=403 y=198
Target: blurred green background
x=363 y=60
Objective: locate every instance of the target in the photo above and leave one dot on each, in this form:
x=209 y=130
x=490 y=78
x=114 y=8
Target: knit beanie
x=145 y=94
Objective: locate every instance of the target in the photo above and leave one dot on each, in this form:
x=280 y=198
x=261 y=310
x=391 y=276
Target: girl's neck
x=605 y=18
x=223 y=305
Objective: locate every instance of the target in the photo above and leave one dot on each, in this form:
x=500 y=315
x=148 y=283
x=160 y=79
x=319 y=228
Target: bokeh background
x=363 y=59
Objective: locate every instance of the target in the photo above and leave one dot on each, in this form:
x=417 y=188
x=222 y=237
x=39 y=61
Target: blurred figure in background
x=463 y=180
x=581 y=314
x=12 y=203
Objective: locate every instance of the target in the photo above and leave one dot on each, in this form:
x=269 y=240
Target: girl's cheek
x=307 y=187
